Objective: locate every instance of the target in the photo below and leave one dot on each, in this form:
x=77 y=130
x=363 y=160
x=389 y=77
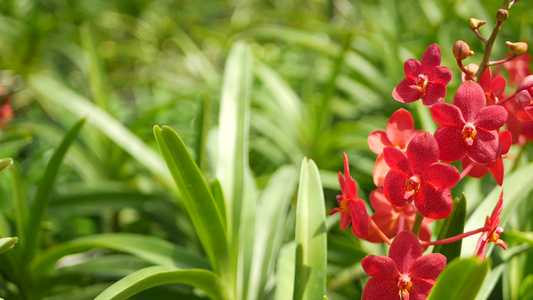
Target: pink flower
x=404 y=272
x=400 y=130
x=418 y=176
x=495 y=168
x=352 y=209
x=468 y=127
x=425 y=79
x=392 y=219
x=493 y=235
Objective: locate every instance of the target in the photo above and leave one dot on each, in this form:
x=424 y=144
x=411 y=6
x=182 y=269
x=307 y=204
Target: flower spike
x=352 y=209
x=492 y=235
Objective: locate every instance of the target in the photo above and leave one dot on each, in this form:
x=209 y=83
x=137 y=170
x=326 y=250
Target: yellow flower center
x=421 y=83
x=411 y=187
x=469 y=133
x=404 y=284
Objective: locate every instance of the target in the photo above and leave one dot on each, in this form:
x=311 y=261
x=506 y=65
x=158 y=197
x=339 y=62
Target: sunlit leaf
x=311 y=248
x=144 y=279
x=460 y=280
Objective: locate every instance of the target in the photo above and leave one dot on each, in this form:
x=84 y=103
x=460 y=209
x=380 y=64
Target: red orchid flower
x=495 y=168
x=418 y=176
x=425 y=79
x=523 y=100
x=400 y=130
x=521 y=131
x=392 y=219
x=492 y=87
x=492 y=235
x=518 y=68
x=6 y=112
x=404 y=272
x=352 y=209
x=468 y=127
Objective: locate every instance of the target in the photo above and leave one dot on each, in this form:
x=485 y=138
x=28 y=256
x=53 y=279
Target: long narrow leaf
x=144 y=279
x=232 y=161
x=198 y=200
x=54 y=91
x=311 y=248
x=44 y=189
x=151 y=249
x=272 y=209
x=452 y=226
x=285 y=272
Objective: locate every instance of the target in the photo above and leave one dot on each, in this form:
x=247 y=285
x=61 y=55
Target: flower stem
x=466 y=170
x=418 y=223
x=455 y=238
x=378 y=231
x=488 y=49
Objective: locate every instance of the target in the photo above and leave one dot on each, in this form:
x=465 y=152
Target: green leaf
x=5 y=163
x=151 y=249
x=232 y=168
x=517 y=237
x=285 y=272
x=44 y=189
x=516 y=186
x=7 y=243
x=272 y=211
x=144 y=279
x=198 y=200
x=52 y=90
x=452 y=226
x=311 y=248
x=490 y=282
x=460 y=280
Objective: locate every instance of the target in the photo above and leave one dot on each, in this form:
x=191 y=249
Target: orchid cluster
x=414 y=173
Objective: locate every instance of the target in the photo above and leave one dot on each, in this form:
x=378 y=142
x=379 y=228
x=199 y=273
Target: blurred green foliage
x=323 y=73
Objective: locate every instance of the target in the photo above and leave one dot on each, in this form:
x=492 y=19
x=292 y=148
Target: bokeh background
x=323 y=76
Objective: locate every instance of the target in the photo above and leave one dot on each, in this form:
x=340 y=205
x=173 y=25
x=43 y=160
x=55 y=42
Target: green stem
x=488 y=50
x=418 y=223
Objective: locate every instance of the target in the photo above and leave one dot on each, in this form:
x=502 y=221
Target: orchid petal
x=380 y=267
x=412 y=68
x=395 y=187
x=441 y=175
x=486 y=147
x=491 y=117
x=441 y=75
x=378 y=140
x=345 y=220
x=421 y=288
x=435 y=93
x=378 y=288
x=470 y=99
x=404 y=92
x=404 y=250
x=433 y=203
x=400 y=128
x=397 y=160
x=451 y=143
x=422 y=151
x=428 y=266
x=497 y=170
x=431 y=57
x=380 y=170
x=359 y=218
x=447 y=115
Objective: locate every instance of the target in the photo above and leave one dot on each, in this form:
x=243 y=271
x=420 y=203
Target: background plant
x=321 y=78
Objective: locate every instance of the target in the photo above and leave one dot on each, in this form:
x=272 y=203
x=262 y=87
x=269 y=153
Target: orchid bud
x=502 y=15
x=518 y=48
x=461 y=50
x=475 y=23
